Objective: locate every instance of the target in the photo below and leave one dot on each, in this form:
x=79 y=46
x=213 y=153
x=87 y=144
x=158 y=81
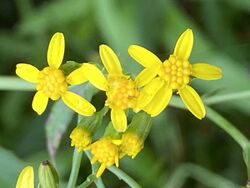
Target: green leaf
x=11 y=165
x=56 y=125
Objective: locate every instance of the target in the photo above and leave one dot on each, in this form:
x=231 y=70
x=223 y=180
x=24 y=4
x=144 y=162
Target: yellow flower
x=131 y=144
x=80 y=138
x=51 y=81
x=106 y=152
x=26 y=178
x=120 y=89
x=171 y=75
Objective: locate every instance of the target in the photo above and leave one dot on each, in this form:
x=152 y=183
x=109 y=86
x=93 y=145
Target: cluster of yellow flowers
x=150 y=91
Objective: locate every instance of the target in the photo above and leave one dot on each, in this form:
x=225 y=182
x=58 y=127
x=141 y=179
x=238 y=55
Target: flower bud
x=47 y=175
x=81 y=136
x=134 y=137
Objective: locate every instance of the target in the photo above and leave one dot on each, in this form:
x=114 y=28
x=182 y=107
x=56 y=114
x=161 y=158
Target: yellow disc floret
x=106 y=152
x=131 y=144
x=121 y=93
x=80 y=138
x=51 y=82
x=176 y=72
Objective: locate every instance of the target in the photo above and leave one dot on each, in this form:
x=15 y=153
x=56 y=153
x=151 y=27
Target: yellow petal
x=100 y=170
x=117 y=161
x=147 y=93
x=143 y=56
x=27 y=72
x=193 y=101
x=146 y=75
x=110 y=60
x=206 y=72
x=26 y=178
x=159 y=101
x=76 y=77
x=39 y=102
x=184 y=45
x=78 y=104
x=95 y=76
x=119 y=119
x=117 y=142
x=56 y=50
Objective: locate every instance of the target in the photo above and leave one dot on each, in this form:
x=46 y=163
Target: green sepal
x=141 y=125
x=70 y=66
x=92 y=123
x=110 y=132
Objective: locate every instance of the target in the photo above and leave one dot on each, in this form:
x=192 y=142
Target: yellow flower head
x=174 y=74
x=120 y=89
x=51 y=81
x=80 y=138
x=26 y=178
x=131 y=144
x=106 y=152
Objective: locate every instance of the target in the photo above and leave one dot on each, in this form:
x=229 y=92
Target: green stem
x=228 y=127
x=77 y=157
x=185 y=171
x=227 y=97
x=14 y=83
x=90 y=179
x=123 y=176
x=95 y=167
x=220 y=121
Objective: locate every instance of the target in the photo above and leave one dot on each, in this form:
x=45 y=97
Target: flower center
x=131 y=144
x=51 y=82
x=104 y=151
x=176 y=72
x=121 y=93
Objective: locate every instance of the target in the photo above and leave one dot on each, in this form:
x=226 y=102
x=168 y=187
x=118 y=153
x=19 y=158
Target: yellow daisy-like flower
x=26 y=178
x=120 y=89
x=106 y=152
x=51 y=81
x=162 y=79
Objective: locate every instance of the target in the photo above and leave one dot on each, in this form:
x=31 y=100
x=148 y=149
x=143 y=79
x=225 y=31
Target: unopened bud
x=134 y=137
x=47 y=175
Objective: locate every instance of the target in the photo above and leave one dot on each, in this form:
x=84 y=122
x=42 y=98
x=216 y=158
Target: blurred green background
x=177 y=140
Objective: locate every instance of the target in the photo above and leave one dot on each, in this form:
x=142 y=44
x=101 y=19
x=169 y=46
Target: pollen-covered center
x=51 y=82
x=104 y=151
x=176 y=72
x=131 y=144
x=80 y=138
x=121 y=93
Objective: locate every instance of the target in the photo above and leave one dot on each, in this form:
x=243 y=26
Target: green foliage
x=177 y=140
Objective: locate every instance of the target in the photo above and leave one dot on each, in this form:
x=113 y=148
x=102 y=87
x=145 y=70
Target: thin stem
x=77 y=157
x=14 y=83
x=228 y=127
x=90 y=179
x=95 y=167
x=227 y=97
x=220 y=121
x=123 y=176
x=188 y=170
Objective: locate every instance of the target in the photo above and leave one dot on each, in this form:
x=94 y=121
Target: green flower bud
x=47 y=175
